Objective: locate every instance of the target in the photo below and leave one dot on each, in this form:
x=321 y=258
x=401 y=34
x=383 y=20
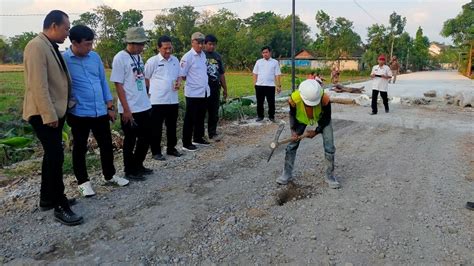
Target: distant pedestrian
x=380 y=74
x=134 y=105
x=266 y=77
x=216 y=74
x=316 y=75
x=163 y=82
x=91 y=109
x=335 y=75
x=47 y=87
x=196 y=90
x=395 y=68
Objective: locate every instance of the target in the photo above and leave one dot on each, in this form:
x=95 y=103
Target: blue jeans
x=329 y=152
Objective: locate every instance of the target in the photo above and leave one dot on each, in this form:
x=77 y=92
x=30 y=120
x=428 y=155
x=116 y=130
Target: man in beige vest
x=47 y=88
x=395 y=68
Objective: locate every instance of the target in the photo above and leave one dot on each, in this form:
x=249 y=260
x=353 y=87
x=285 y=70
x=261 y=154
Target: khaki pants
x=394 y=76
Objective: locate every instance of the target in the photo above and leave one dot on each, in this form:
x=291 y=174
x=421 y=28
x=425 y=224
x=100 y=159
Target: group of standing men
x=74 y=83
x=72 y=87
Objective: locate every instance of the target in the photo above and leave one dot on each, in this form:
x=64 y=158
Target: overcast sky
x=429 y=14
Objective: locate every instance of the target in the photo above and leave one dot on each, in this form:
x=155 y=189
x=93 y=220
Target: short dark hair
x=79 y=33
x=266 y=47
x=55 y=16
x=210 y=38
x=162 y=39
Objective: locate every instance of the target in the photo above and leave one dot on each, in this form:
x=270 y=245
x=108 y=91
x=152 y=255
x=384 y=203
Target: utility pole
x=408 y=54
x=469 y=62
x=293 y=22
x=391 y=48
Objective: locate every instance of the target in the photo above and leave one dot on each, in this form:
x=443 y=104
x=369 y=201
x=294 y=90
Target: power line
x=366 y=12
x=203 y=5
x=31 y=15
x=142 y=10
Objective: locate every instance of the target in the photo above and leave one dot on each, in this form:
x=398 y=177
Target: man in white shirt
x=193 y=69
x=163 y=82
x=381 y=74
x=266 y=76
x=133 y=105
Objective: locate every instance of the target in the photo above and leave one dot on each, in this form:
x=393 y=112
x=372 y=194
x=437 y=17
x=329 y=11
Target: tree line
x=240 y=39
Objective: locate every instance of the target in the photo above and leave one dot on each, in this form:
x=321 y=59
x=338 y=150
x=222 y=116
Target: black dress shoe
x=45 y=206
x=159 y=157
x=201 y=142
x=174 y=153
x=190 y=147
x=135 y=176
x=470 y=205
x=66 y=216
x=145 y=171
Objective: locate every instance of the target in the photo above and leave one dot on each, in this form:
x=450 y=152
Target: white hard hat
x=310 y=92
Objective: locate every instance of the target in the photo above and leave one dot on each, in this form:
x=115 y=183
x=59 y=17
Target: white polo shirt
x=162 y=74
x=378 y=83
x=266 y=70
x=193 y=67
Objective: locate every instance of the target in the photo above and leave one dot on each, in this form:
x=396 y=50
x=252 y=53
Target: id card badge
x=140 y=84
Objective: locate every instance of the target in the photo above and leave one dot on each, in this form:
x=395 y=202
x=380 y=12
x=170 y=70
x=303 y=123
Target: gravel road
x=405 y=179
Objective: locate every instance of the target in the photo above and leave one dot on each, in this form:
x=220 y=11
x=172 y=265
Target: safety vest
x=301 y=115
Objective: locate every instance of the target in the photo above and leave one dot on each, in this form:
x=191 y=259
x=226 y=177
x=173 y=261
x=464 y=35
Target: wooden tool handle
x=291 y=139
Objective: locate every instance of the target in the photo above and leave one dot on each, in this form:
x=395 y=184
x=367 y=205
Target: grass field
x=11 y=100
x=12 y=88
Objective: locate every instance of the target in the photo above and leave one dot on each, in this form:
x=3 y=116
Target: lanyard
x=135 y=62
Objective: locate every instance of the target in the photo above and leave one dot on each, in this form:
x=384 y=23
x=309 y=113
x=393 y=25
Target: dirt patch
x=293 y=192
x=257 y=213
x=466 y=145
x=11 y=68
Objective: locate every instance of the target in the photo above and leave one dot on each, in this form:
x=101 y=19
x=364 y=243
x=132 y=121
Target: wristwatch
x=111 y=108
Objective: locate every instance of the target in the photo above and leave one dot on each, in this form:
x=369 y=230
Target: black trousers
x=100 y=127
x=384 y=96
x=52 y=185
x=167 y=113
x=193 y=127
x=263 y=92
x=213 y=103
x=136 y=141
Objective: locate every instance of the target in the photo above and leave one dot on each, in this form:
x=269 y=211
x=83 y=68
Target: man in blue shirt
x=90 y=108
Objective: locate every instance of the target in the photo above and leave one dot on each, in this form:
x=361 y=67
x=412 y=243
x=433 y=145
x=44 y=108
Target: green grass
x=12 y=89
x=11 y=95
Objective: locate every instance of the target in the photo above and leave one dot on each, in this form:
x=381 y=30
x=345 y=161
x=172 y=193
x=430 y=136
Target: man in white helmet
x=309 y=106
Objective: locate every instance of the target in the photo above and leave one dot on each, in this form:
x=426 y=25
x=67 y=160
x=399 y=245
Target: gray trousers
x=329 y=152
